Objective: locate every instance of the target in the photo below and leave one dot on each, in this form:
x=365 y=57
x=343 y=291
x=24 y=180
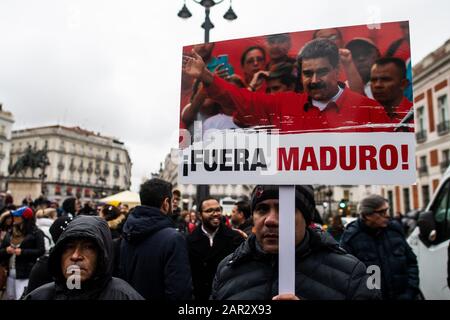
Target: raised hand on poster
x=195 y=67
x=258 y=79
x=355 y=81
x=345 y=56
x=222 y=73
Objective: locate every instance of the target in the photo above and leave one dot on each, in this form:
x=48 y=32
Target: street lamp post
x=184 y=13
x=207 y=24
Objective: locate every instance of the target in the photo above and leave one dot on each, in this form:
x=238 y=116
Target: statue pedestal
x=21 y=188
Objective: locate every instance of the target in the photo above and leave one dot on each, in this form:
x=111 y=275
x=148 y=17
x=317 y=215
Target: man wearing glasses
x=378 y=241
x=208 y=245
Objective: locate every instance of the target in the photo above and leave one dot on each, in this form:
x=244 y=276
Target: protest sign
x=329 y=106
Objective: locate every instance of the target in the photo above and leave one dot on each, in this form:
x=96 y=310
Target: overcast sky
x=113 y=66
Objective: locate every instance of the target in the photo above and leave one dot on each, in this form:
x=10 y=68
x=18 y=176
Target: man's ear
x=165 y=206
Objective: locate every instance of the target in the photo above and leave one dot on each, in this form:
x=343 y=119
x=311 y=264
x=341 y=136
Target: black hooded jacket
x=323 y=271
x=101 y=286
x=154 y=257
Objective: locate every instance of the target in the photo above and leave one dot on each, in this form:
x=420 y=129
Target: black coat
x=204 y=259
x=154 y=257
x=32 y=246
x=101 y=286
x=388 y=249
x=40 y=274
x=323 y=271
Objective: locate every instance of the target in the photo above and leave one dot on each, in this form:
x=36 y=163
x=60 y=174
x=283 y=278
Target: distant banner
x=330 y=106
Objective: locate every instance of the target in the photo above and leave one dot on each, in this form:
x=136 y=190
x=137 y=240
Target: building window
x=423 y=168
x=443 y=117
x=425 y=195
x=406 y=200
x=69 y=191
x=445 y=160
x=421 y=133
x=87 y=193
x=58 y=190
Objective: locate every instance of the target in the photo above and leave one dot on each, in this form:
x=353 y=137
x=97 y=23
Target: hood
x=143 y=222
x=90 y=227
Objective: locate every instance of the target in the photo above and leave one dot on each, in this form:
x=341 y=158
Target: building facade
x=432 y=120
x=6 y=122
x=81 y=163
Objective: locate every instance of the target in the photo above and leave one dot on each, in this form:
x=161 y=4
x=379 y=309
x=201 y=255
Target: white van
x=430 y=241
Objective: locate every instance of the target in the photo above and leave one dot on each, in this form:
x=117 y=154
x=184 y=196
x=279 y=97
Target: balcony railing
x=443 y=127
x=421 y=136
x=444 y=165
x=422 y=171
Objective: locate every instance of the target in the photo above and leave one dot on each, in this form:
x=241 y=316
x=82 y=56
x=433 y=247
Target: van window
x=441 y=212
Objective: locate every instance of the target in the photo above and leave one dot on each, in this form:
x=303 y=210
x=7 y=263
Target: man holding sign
x=323 y=271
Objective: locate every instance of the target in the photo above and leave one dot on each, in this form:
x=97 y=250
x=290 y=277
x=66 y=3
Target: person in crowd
x=323 y=271
x=208 y=245
x=9 y=200
x=20 y=249
x=324 y=105
x=87 y=210
x=253 y=61
x=6 y=224
x=205 y=110
x=70 y=206
x=124 y=209
x=364 y=53
x=278 y=46
x=81 y=264
x=178 y=220
x=377 y=241
x=44 y=220
x=114 y=218
x=400 y=48
x=281 y=78
x=193 y=221
x=388 y=82
x=241 y=217
x=153 y=256
x=40 y=273
x=336 y=228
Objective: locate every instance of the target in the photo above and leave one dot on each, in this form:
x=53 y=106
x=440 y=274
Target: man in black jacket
x=323 y=271
x=208 y=245
x=81 y=264
x=153 y=254
x=377 y=241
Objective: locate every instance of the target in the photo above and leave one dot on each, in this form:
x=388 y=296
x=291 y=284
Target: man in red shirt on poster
x=325 y=106
x=388 y=82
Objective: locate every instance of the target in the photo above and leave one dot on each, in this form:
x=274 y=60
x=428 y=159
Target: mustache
x=317 y=85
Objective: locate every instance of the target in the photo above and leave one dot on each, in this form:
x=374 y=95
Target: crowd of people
x=158 y=251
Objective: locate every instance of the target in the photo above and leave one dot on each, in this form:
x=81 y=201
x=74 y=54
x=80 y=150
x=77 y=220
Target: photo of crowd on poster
x=344 y=79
